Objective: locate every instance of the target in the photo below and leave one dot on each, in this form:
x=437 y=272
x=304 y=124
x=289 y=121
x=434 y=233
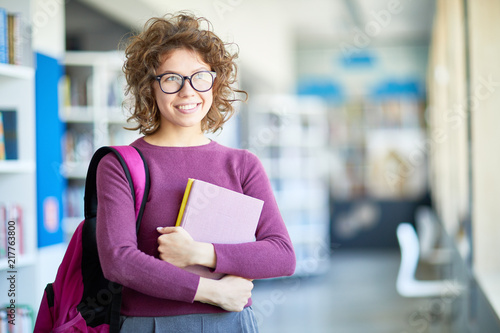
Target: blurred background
x=376 y=121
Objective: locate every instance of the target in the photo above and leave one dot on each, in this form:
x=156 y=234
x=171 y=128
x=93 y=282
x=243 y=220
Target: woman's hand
x=230 y=293
x=177 y=247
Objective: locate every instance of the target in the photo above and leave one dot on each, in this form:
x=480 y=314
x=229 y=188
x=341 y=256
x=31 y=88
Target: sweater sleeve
x=272 y=254
x=121 y=260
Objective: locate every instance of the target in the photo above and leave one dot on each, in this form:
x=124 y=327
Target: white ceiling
x=310 y=21
x=269 y=32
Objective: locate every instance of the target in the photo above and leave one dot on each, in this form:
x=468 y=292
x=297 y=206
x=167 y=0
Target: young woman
x=180 y=78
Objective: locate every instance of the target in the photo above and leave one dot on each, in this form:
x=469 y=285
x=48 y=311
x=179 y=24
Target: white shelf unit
x=92 y=93
x=16 y=71
x=18 y=174
x=290 y=136
x=378 y=148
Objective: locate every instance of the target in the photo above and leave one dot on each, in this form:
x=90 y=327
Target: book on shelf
x=14 y=38
x=10 y=37
x=2 y=139
x=73 y=200
x=76 y=90
x=3 y=231
x=78 y=146
x=214 y=214
x=79 y=90
x=8 y=135
x=23 y=322
x=11 y=223
x=4 y=43
x=65 y=91
x=116 y=91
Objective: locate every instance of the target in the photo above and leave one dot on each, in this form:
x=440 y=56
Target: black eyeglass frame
x=184 y=78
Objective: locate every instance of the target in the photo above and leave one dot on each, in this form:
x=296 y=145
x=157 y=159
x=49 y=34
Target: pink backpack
x=81 y=299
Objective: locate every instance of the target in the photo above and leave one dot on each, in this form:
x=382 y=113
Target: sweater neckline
x=143 y=142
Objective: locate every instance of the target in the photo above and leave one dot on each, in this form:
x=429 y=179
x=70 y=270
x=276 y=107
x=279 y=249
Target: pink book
x=214 y=214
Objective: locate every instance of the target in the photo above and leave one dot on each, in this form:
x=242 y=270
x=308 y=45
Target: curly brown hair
x=145 y=53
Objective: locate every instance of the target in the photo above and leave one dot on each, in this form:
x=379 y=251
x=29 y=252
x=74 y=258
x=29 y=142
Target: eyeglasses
x=170 y=83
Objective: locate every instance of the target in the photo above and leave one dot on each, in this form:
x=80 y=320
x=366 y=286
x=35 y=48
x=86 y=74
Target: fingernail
x=159 y=228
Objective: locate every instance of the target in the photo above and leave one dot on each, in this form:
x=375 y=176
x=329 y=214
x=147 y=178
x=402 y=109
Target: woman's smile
x=188 y=108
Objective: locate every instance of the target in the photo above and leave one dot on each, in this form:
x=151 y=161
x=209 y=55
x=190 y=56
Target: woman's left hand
x=176 y=246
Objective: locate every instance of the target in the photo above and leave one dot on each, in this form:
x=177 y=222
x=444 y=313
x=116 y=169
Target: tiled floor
x=357 y=295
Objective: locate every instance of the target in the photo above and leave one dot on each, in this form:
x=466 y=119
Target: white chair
x=407 y=285
x=428 y=232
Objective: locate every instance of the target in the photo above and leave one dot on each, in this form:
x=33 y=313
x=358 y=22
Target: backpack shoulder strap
x=137 y=173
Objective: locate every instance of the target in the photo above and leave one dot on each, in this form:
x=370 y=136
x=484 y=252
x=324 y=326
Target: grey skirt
x=234 y=322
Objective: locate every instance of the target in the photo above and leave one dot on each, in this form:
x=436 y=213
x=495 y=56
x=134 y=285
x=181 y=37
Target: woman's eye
x=203 y=76
x=172 y=78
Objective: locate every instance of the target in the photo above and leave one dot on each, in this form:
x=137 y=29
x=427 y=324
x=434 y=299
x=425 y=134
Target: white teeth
x=187 y=106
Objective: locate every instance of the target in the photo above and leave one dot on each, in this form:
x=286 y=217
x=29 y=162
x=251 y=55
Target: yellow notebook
x=184 y=201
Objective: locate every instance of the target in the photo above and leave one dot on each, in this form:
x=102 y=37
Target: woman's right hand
x=230 y=293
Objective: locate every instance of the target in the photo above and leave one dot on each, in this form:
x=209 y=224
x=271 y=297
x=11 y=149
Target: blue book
x=9 y=121
x=4 y=44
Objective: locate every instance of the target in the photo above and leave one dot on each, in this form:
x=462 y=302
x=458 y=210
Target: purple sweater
x=153 y=287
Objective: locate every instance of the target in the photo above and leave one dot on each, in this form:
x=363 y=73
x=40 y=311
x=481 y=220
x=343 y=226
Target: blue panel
x=49 y=131
x=321 y=87
x=398 y=88
x=361 y=60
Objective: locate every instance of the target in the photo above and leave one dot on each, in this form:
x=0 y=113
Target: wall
x=88 y=29
x=448 y=133
x=48 y=27
x=485 y=120
x=464 y=76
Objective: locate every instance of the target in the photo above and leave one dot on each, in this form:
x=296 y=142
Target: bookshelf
x=92 y=93
x=16 y=71
x=16 y=167
x=290 y=136
x=379 y=174
x=379 y=148
x=17 y=163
